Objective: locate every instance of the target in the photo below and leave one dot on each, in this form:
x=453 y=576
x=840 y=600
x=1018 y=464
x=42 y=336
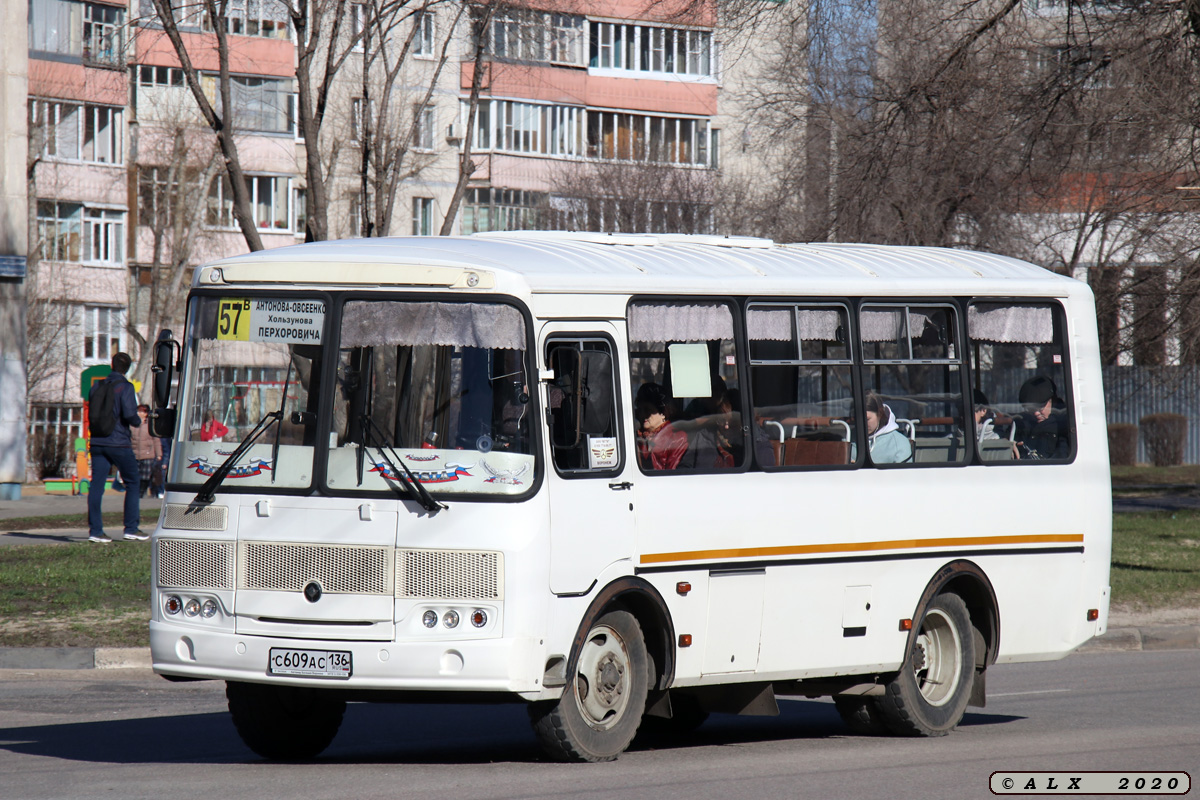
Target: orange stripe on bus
x=858 y=547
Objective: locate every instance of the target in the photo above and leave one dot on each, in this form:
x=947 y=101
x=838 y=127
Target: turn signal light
x=685 y=640
x=1093 y=614
x=906 y=624
x=683 y=587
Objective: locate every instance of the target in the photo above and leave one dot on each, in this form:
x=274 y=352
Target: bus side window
x=912 y=361
x=582 y=410
x=684 y=381
x=1019 y=368
x=801 y=384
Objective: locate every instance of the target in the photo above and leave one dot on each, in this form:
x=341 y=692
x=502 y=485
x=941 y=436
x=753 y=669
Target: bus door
x=590 y=481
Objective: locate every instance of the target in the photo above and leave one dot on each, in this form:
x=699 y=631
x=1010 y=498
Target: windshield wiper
x=208 y=490
x=407 y=480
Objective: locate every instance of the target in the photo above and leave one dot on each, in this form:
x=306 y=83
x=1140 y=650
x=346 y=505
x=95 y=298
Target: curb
x=1157 y=637
x=75 y=658
x=1116 y=640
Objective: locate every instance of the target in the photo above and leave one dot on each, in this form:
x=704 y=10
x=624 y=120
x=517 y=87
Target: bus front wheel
x=284 y=723
x=602 y=705
x=929 y=695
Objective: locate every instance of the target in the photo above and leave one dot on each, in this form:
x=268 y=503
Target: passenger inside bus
x=660 y=444
x=1042 y=428
x=887 y=444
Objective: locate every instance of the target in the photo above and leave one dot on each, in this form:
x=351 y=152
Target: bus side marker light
x=683 y=587
x=906 y=624
x=685 y=640
x=1093 y=614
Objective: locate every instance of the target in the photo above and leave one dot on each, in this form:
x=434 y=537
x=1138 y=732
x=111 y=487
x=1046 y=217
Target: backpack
x=101 y=419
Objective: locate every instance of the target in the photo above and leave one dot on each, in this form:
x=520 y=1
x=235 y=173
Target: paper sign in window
x=690 y=376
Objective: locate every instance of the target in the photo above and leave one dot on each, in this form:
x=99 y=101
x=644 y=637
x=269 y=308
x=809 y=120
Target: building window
x=104 y=35
x=422 y=216
x=529 y=128
x=423 y=39
x=56 y=26
x=159 y=76
x=645 y=48
x=104 y=236
x=300 y=205
x=103 y=333
x=525 y=35
x=79 y=132
x=358 y=23
x=252 y=18
x=53 y=430
x=618 y=136
x=269 y=197
x=59 y=230
x=263 y=105
x=488 y=209
x=423 y=130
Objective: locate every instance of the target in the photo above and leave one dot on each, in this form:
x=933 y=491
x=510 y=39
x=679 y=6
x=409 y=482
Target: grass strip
x=1156 y=559
x=84 y=595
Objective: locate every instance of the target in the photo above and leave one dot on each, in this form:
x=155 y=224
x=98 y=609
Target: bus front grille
x=449 y=574
x=339 y=569
x=195 y=564
x=177 y=516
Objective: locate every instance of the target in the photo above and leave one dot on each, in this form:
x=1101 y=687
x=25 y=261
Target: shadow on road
x=28 y=537
x=397 y=734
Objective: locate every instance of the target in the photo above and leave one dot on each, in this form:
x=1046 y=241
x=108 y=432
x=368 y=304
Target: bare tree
x=631 y=198
x=221 y=120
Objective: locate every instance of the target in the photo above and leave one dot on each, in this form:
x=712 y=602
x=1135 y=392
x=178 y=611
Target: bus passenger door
x=591 y=497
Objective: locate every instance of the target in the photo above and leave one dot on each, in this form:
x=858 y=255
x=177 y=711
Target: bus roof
x=551 y=261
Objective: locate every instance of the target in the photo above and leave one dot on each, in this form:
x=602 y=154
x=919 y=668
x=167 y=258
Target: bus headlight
x=192 y=608
x=450 y=620
x=208 y=610
x=429 y=619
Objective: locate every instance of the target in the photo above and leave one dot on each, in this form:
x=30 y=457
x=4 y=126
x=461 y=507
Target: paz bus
x=625 y=479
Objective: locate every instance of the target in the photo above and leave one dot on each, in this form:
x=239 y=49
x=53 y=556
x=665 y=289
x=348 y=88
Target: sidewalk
x=35 y=502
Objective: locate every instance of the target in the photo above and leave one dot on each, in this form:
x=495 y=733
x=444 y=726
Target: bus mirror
x=162 y=422
x=163 y=369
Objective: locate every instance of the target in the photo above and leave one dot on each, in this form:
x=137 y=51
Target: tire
x=284 y=723
x=929 y=695
x=602 y=705
x=861 y=715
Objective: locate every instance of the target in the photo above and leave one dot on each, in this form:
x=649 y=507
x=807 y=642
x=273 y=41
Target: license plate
x=309 y=663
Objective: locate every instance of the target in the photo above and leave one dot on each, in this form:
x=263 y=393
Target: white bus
x=624 y=478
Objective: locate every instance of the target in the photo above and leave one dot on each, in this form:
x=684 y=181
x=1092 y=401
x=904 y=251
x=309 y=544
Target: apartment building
x=600 y=116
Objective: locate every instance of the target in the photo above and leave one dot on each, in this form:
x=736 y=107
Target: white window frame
x=422 y=219
x=512 y=126
x=425 y=128
x=102 y=332
x=104 y=34
x=424 y=40
x=60 y=235
x=66 y=126
x=103 y=236
x=220 y=203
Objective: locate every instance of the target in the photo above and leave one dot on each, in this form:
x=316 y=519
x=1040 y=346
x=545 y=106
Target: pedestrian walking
x=147 y=449
x=112 y=411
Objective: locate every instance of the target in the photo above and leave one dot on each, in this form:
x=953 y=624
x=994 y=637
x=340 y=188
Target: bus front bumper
x=476 y=665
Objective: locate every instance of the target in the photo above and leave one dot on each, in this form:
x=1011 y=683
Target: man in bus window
x=1042 y=426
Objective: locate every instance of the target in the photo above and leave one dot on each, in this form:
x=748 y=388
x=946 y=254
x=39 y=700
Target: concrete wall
x=14 y=237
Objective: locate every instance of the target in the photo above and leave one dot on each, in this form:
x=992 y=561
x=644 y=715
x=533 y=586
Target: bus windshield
x=440 y=388
x=249 y=357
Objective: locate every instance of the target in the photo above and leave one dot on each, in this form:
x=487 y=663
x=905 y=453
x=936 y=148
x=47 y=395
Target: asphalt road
x=129 y=734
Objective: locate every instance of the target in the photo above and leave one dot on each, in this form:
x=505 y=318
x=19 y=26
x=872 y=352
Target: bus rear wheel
x=602 y=705
x=284 y=723
x=929 y=695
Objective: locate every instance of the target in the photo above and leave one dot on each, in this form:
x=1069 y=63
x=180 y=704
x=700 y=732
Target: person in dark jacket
x=1042 y=430
x=116 y=449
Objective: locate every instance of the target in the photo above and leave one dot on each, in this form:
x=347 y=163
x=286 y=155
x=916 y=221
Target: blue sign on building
x=12 y=266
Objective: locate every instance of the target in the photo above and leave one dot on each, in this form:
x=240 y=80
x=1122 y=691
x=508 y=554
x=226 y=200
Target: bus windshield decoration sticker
x=265 y=319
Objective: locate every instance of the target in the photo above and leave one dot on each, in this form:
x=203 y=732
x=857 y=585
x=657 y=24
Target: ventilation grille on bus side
x=449 y=574
x=176 y=516
x=340 y=569
x=195 y=564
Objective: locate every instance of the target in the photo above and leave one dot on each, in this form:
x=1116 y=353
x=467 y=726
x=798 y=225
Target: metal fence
x=1131 y=393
